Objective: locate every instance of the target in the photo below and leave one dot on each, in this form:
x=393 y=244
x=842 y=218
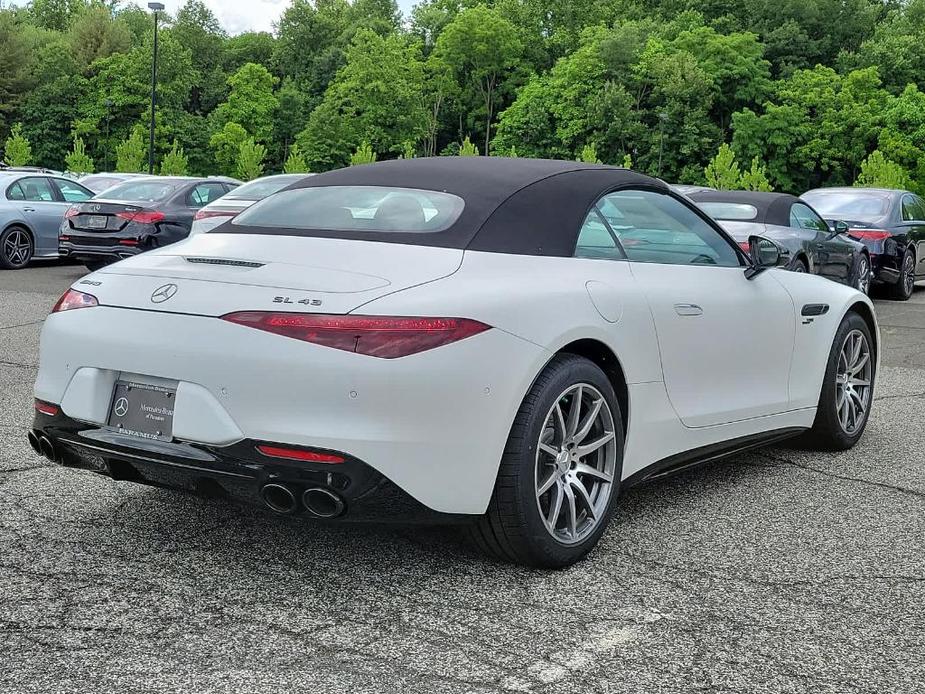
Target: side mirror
x=764 y=254
x=840 y=227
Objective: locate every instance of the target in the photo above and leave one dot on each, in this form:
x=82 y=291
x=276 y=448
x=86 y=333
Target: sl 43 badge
x=290 y=300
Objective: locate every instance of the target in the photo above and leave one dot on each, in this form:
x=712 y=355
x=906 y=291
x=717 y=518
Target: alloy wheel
x=853 y=382
x=863 y=284
x=17 y=247
x=575 y=464
x=908 y=273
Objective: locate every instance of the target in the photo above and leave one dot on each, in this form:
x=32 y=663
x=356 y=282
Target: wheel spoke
x=860 y=364
x=549 y=450
x=581 y=495
x=574 y=412
x=560 y=420
x=857 y=382
x=582 y=451
x=585 y=427
x=571 y=511
x=547 y=484
x=555 y=508
x=591 y=471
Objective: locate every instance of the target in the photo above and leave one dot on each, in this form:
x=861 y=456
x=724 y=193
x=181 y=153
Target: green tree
x=175 y=162
x=132 y=153
x=78 y=161
x=196 y=28
x=756 y=178
x=483 y=49
x=56 y=14
x=251 y=102
x=17 y=151
x=468 y=149
x=627 y=161
x=14 y=62
x=364 y=154
x=250 y=160
x=589 y=154
x=879 y=172
x=226 y=144
x=295 y=162
x=723 y=171
x=376 y=98
x=94 y=34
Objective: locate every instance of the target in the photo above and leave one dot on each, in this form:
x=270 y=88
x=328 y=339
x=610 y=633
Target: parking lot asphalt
x=777 y=571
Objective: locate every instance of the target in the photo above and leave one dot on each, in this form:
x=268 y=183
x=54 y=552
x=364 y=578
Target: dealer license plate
x=143 y=409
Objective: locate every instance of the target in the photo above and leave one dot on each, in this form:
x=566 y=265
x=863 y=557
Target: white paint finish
x=731 y=360
x=606 y=299
x=88 y=395
x=200 y=418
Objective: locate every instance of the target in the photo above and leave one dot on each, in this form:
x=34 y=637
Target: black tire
x=16 y=248
x=799 y=265
x=512 y=529
x=94 y=265
x=905 y=285
x=827 y=432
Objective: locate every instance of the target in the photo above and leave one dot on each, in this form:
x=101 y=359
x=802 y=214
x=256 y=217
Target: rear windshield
x=355 y=208
x=733 y=211
x=261 y=188
x=849 y=204
x=142 y=191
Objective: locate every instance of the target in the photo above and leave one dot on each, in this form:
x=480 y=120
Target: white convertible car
x=502 y=342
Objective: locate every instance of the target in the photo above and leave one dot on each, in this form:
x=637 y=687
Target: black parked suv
x=891 y=223
x=135 y=216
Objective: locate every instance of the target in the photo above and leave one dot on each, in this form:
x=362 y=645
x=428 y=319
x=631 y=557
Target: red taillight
x=299 y=454
x=128 y=242
x=46 y=408
x=72 y=211
x=869 y=234
x=72 y=299
x=64 y=238
x=141 y=216
x=388 y=337
x=206 y=214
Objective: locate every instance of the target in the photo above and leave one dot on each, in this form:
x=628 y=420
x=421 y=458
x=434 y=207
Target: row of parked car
x=857 y=236
x=102 y=218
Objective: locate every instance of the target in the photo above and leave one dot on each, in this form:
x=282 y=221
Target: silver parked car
x=239 y=199
x=32 y=206
x=99 y=182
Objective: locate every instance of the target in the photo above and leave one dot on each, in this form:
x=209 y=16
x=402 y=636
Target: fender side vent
x=224 y=261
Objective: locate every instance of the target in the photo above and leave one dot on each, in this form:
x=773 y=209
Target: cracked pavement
x=776 y=571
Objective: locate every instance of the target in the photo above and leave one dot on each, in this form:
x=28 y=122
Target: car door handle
x=688 y=310
x=28 y=209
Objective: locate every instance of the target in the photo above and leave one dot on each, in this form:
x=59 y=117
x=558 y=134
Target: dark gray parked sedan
x=805 y=240
x=891 y=223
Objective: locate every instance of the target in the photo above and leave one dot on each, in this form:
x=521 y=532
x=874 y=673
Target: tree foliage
x=132 y=153
x=723 y=171
x=364 y=154
x=17 y=151
x=879 y=172
x=77 y=160
x=250 y=160
x=175 y=162
x=295 y=162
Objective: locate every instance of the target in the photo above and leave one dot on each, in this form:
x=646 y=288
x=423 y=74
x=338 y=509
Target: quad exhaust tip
x=322 y=503
x=47 y=448
x=34 y=443
x=280 y=498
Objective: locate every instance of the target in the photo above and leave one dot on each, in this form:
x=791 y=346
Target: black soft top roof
x=773 y=208
x=522 y=206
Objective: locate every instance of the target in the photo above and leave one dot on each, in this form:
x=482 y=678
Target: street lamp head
x=156 y=6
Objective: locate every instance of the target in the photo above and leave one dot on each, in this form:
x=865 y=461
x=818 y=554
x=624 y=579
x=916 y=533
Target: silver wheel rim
x=853 y=382
x=799 y=267
x=908 y=274
x=863 y=275
x=576 y=460
x=17 y=248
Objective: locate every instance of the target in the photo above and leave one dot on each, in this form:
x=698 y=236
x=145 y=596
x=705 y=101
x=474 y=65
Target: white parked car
x=511 y=359
x=240 y=199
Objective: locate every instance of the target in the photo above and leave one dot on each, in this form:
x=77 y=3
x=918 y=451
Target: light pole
x=154 y=7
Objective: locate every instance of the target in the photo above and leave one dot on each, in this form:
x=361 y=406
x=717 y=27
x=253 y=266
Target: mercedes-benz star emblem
x=162 y=294
x=121 y=408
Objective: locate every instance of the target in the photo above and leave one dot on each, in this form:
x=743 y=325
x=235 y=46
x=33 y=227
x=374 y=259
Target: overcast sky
x=251 y=15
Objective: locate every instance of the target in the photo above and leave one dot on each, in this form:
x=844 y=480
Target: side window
x=36 y=190
x=909 y=208
x=72 y=192
x=205 y=193
x=802 y=217
x=596 y=241
x=14 y=192
x=918 y=208
x=655 y=228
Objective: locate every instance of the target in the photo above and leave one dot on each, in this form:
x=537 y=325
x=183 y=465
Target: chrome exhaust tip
x=34 y=443
x=322 y=503
x=279 y=498
x=47 y=449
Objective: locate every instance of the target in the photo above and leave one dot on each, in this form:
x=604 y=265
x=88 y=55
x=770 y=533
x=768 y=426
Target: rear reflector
x=72 y=299
x=206 y=214
x=298 y=454
x=387 y=337
x=128 y=242
x=46 y=408
x=141 y=216
x=869 y=234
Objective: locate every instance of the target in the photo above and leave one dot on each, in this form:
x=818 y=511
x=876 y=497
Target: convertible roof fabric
x=773 y=208
x=520 y=206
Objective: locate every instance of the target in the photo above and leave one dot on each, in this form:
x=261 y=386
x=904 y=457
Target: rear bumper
x=237 y=472
x=97 y=252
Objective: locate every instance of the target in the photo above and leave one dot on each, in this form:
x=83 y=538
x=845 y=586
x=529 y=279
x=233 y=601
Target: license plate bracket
x=97 y=221
x=142 y=409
